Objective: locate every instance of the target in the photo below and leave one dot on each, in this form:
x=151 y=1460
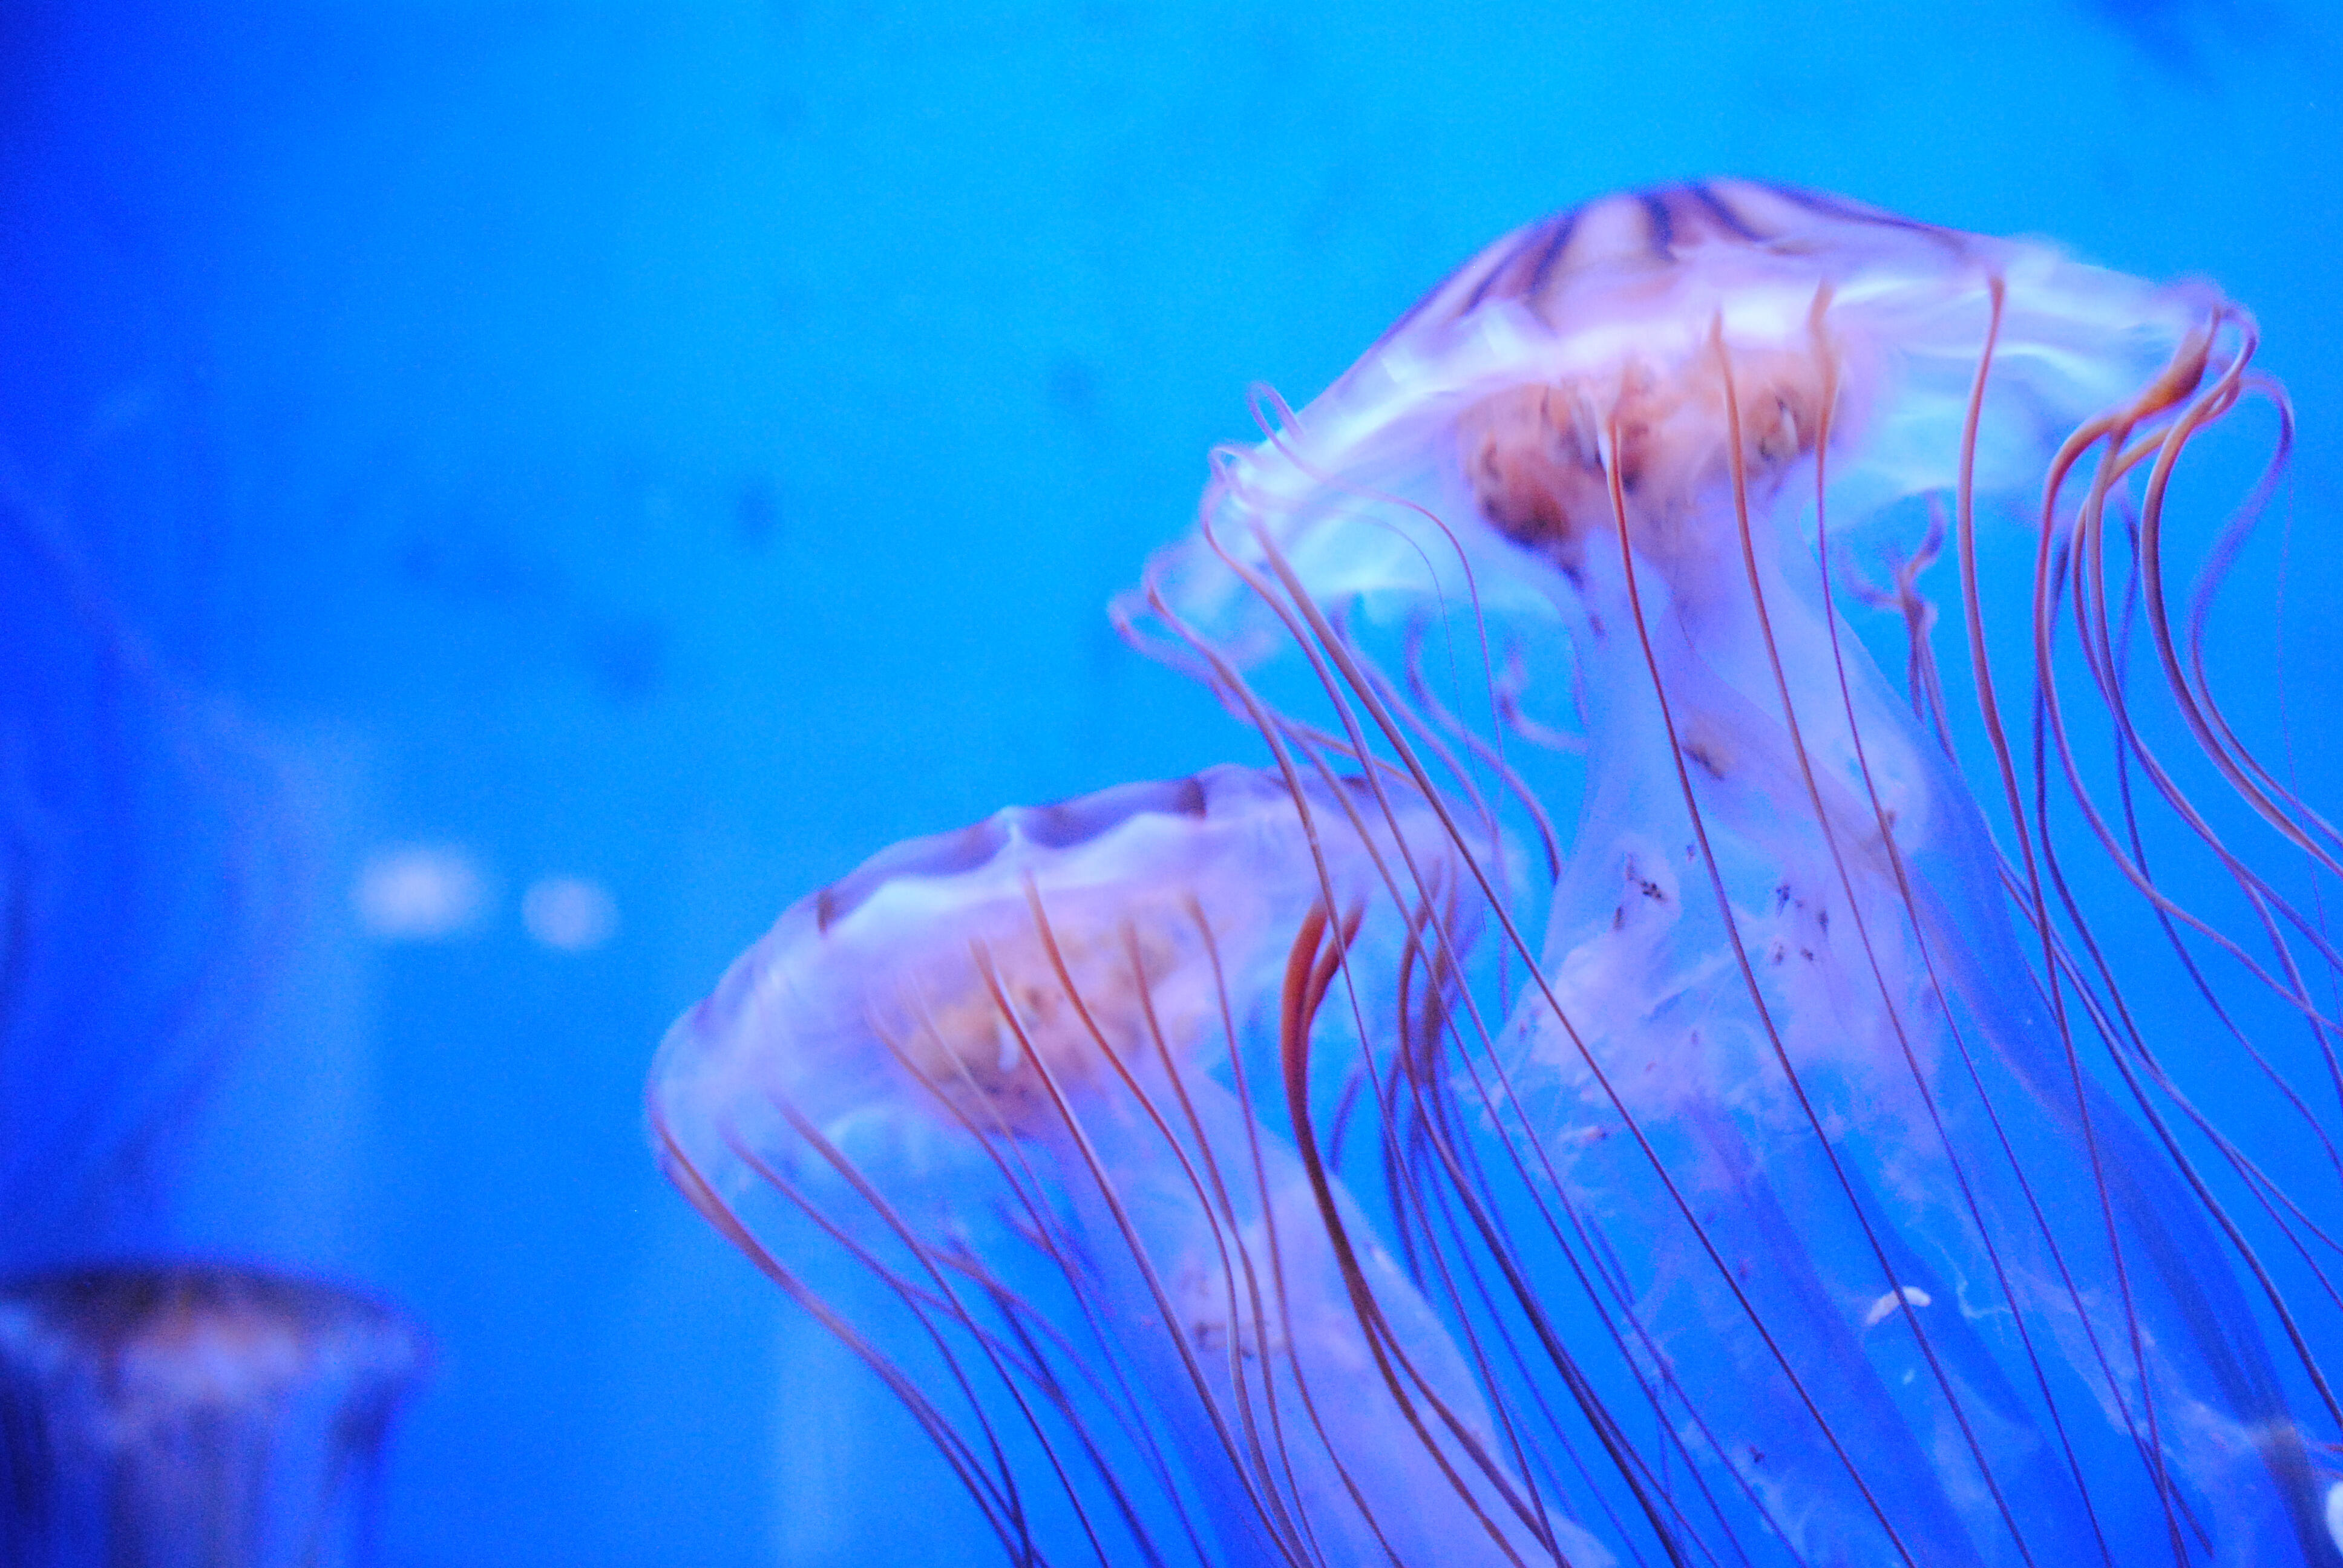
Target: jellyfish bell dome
x=1482 y=417
x=973 y=984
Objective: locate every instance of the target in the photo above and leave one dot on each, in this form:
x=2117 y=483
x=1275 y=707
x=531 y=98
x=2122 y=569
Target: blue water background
x=688 y=446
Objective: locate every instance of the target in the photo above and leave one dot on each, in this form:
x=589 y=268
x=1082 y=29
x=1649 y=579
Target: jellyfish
x=193 y=1413
x=1042 y=1118
x=1909 y=1104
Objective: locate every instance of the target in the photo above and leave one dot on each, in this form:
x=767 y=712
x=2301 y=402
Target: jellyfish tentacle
x=683 y=1170
x=1489 y=753
x=2096 y=640
x=2219 y=561
x=927 y=1305
x=1460 y=1186
x=1300 y=609
x=2257 y=890
x=1309 y=974
x=1030 y=1185
x=2035 y=903
x=1929 y=704
x=1279 y=734
x=1021 y=1181
x=1587 y=1400
x=2213 y=733
x=1826 y=820
x=1935 y=1512
x=2110 y=428
x=2113 y=1018
x=2214 y=738
x=1414 y=875
x=2136 y=842
x=1194 y=1383
x=2257 y=1182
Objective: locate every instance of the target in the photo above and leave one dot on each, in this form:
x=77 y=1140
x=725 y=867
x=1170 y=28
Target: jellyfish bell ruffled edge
x=961 y=983
x=1606 y=324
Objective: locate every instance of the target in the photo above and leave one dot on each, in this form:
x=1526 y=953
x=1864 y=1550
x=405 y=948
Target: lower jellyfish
x=1015 y=1078
x=1794 y=1157
x=193 y=1414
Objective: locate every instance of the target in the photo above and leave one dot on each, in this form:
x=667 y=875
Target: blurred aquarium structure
x=497 y=500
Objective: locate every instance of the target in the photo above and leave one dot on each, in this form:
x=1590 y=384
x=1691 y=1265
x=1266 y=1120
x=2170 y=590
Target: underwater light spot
x=569 y=914
x=419 y=893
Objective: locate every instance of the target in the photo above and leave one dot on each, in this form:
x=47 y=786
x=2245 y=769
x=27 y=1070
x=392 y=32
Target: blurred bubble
x=574 y=914
x=417 y=893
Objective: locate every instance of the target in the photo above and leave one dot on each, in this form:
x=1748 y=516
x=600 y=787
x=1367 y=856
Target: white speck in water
x=570 y=914
x=419 y=893
x=2335 y=1513
x=1889 y=1303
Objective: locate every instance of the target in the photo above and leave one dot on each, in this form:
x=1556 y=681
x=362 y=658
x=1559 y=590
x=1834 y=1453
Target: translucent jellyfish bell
x=1838 y=1144
x=194 y=1415
x=1490 y=404
x=870 y=1010
x=1038 y=1116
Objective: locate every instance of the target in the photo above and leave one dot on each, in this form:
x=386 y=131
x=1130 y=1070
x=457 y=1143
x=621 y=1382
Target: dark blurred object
x=194 y=1415
x=2176 y=34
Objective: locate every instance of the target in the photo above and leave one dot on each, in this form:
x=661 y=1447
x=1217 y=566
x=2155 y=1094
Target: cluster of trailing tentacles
x=1881 y=1122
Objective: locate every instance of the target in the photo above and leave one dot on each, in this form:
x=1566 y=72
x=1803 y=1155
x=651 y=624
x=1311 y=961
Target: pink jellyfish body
x=1826 y=1124
x=1004 y=1108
